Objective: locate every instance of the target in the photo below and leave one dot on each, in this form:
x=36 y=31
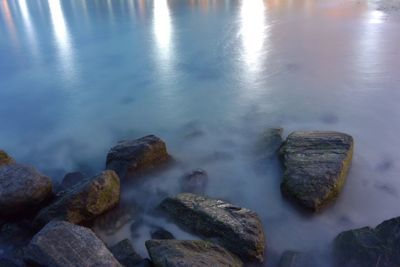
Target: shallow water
x=208 y=77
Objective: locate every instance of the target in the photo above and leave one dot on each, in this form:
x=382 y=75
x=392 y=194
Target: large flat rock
x=22 y=190
x=129 y=157
x=188 y=253
x=237 y=229
x=84 y=201
x=62 y=244
x=315 y=167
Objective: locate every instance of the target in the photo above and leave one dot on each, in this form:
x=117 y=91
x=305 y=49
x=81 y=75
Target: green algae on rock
x=189 y=253
x=238 y=229
x=84 y=201
x=315 y=167
x=5 y=158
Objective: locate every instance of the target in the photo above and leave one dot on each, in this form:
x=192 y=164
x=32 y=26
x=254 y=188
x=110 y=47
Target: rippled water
x=208 y=77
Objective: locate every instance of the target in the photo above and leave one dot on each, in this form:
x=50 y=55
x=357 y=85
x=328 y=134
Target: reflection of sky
x=252 y=32
x=62 y=38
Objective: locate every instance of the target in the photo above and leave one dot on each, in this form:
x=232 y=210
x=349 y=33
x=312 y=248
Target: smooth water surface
x=208 y=76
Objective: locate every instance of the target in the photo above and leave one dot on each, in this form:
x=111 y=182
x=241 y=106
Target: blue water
x=208 y=77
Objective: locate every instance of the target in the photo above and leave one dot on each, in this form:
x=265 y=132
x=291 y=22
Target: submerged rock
x=368 y=247
x=238 y=229
x=61 y=243
x=84 y=201
x=71 y=179
x=5 y=158
x=22 y=190
x=315 y=167
x=195 y=181
x=124 y=252
x=161 y=233
x=185 y=253
x=132 y=156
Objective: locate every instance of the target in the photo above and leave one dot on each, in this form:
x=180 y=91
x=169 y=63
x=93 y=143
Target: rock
x=368 y=247
x=61 y=243
x=22 y=190
x=145 y=263
x=132 y=156
x=195 y=181
x=297 y=259
x=185 y=253
x=9 y=263
x=315 y=167
x=84 y=201
x=71 y=179
x=124 y=252
x=161 y=233
x=238 y=229
x=5 y=159
x=270 y=142
x=113 y=220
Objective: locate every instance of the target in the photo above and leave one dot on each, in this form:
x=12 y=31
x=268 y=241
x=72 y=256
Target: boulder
x=195 y=181
x=124 y=252
x=161 y=233
x=61 y=243
x=129 y=157
x=368 y=247
x=315 y=167
x=186 y=253
x=237 y=229
x=5 y=158
x=84 y=201
x=71 y=179
x=22 y=190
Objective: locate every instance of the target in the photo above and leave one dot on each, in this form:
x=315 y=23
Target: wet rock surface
x=185 y=253
x=124 y=252
x=369 y=247
x=237 y=229
x=195 y=182
x=132 y=156
x=315 y=167
x=22 y=190
x=61 y=243
x=5 y=158
x=84 y=201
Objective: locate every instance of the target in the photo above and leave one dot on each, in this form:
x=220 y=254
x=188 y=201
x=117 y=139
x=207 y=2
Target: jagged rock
x=315 y=167
x=124 y=252
x=71 y=179
x=5 y=158
x=368 y=247
x=84 y=201
x=238 y=229
x=195 y=182
x=61 y=244
x=132 y=156
x=185 y=253
x=22 y=190
x=161 y=233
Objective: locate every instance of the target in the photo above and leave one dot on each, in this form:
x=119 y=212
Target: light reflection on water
x=208 y=76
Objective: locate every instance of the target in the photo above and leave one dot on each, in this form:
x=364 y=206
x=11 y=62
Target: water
x=208 y=77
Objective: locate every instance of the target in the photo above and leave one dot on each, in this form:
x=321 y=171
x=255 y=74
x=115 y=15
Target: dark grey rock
x=132 y=156
x=315 y=167
x=124 y=252
x=145 y=263
x=161 y=233
x=195 y=182
x=71 y=179
x=238 y=229
x=61 y=243
x=185 y=253
x=113 y=220
x=5 y=159
x=84 y=201
x=22 y=190
x=368 y=247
